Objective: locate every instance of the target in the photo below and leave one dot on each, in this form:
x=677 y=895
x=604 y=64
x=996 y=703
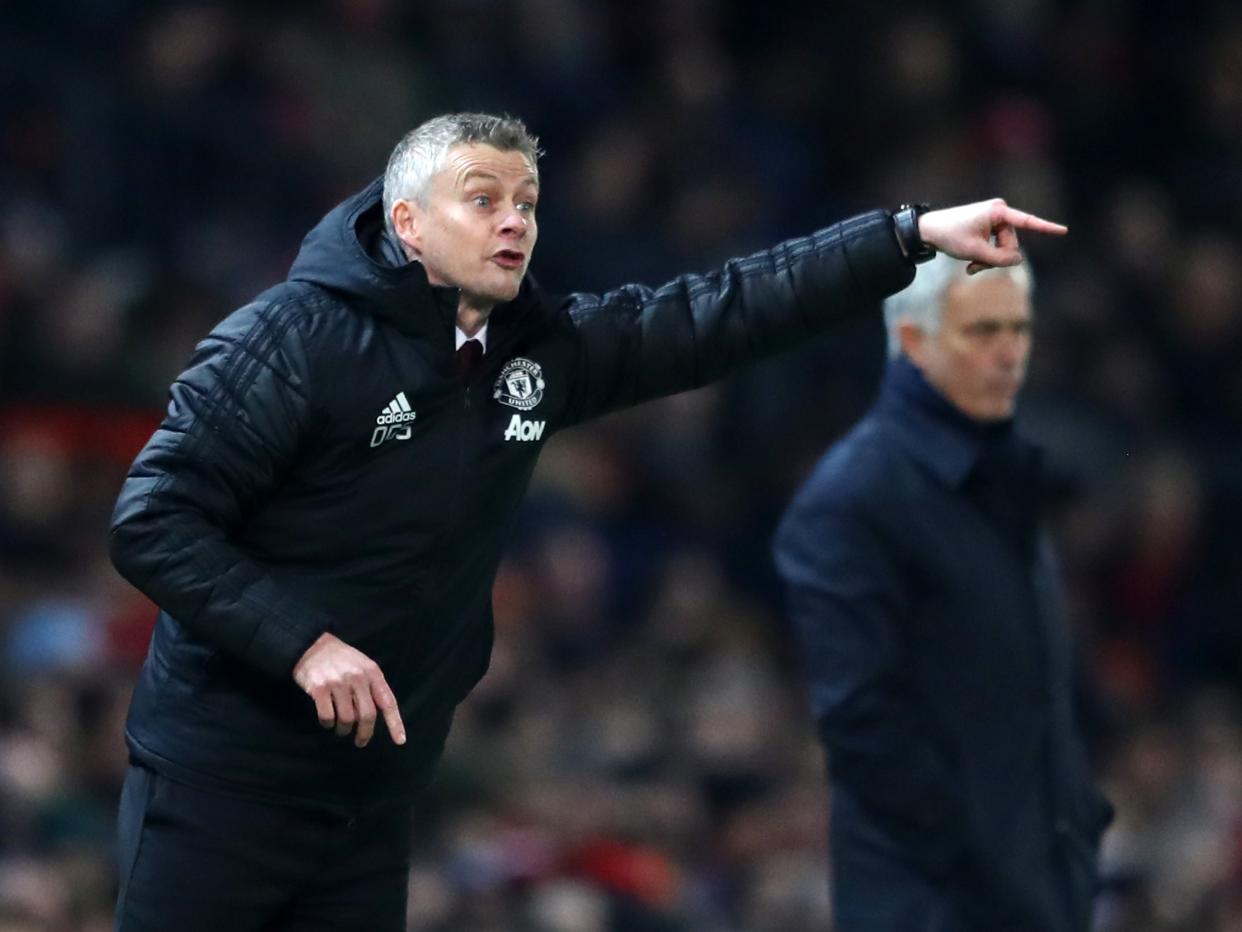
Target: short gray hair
x=421 y=151
x=922 y=302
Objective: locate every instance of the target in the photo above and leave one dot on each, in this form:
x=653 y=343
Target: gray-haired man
x=933 y=637
x=321 y=514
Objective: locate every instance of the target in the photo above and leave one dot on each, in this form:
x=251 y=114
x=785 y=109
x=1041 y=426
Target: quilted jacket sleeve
x=236 y=418
x=638 y=343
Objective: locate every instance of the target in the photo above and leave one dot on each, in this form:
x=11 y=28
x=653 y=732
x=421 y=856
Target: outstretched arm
x=638 y=343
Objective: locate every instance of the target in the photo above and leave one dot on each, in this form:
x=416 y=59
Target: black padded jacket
x=322 y=468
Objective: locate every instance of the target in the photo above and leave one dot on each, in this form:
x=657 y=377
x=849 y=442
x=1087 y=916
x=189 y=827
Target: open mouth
x=509 y=258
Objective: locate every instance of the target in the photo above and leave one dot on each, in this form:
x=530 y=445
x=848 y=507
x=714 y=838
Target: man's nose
x=514 y=224
x=1009 y=350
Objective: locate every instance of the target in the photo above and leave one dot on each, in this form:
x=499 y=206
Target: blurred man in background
x=940 y=666
x=321 y=514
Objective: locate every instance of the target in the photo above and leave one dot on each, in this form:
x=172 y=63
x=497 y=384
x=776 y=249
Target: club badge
x=520 y=384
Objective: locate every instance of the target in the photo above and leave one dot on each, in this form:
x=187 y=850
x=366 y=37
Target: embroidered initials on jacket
x=393 y=422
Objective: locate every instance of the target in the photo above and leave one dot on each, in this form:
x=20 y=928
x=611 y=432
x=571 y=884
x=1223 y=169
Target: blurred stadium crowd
x=639 y=757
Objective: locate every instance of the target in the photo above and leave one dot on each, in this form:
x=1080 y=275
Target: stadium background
x=639 y=757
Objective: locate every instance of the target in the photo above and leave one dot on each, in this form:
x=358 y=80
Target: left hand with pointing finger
x=985 y=232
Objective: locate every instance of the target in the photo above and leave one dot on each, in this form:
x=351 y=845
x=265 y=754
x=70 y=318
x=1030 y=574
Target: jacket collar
x=932 y=430
x=502 y=322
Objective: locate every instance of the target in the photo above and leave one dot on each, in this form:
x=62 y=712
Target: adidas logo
x=393 y=421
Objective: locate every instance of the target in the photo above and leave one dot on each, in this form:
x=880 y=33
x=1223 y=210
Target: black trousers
x=196 y=860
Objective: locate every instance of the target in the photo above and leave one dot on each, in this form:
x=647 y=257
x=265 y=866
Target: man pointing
x=317 y=574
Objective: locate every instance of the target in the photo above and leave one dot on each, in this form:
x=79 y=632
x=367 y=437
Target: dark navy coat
x=927 y=607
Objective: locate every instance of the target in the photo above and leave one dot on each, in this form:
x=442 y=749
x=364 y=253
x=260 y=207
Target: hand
x=985 y=232
x=347 y=687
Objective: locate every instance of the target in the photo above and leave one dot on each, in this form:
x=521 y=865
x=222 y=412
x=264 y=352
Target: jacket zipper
x=464 y=437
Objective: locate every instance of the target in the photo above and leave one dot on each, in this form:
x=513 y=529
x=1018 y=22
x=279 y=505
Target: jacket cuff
x=276 y=648
x=874 y=255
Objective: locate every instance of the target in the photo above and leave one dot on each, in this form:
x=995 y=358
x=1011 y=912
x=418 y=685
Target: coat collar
x=932 y=430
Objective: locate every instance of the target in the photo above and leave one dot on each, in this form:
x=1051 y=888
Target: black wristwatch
x=906 y=224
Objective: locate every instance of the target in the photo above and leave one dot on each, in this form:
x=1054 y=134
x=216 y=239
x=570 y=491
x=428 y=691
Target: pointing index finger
x=387 y=703
x=1024 y=221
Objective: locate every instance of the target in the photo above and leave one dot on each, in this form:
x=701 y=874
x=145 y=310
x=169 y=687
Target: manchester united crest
x=520 y=384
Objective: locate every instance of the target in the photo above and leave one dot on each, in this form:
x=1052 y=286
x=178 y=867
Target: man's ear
x=912 y=339
x=406 y=223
